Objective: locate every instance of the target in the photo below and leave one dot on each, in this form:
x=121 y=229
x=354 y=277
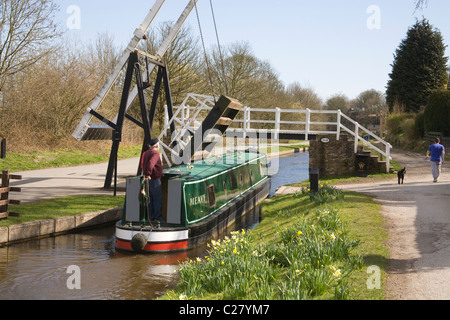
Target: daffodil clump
x=310 y=259
x=325 y=193
x=316 y=253
x=232 y=267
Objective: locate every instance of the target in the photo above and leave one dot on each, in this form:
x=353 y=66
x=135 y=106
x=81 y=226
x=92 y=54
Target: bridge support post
x=314 y=179
x=3 y=149
x=333 y=157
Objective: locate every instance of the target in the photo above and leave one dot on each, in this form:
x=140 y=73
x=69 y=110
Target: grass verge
x=65 y=206
x=282 y=148
x=300 y=250
x=62 y=158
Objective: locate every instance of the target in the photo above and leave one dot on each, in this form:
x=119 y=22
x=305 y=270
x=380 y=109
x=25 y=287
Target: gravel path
x=60 y=182
x=418 y=223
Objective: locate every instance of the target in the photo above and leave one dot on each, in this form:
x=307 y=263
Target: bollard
x=3 y=149
x=314 y=179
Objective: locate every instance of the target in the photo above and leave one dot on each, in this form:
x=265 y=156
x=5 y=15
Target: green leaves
x=419 y=67
x=309 y=259
x=326 y=193
x=437 y=113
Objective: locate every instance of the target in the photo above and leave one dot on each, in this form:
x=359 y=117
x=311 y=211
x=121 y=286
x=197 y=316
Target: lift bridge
x=198 y=124
x=201 y=124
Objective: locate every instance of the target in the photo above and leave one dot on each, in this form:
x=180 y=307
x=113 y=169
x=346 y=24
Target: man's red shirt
x=152 y=166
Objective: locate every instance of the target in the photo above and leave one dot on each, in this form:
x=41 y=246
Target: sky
x=332 y=47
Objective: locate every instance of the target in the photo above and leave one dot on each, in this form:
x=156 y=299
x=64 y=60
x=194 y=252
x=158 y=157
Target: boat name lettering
x=197 y=200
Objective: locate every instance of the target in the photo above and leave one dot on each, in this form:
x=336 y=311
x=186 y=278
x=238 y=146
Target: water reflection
x=288 y=170
x=38 y=269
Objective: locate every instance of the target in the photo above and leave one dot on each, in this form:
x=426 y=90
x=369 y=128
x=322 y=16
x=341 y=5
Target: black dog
x=401 y=175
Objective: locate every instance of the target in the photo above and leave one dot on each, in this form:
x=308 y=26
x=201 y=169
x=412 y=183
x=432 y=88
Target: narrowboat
x=201 y=201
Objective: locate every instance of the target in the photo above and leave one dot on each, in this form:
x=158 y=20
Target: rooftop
x=209 y=167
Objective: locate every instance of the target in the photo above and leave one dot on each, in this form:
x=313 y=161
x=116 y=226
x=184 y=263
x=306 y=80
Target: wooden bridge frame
x=112 y=129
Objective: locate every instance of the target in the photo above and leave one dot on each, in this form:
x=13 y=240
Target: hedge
x=437 y=113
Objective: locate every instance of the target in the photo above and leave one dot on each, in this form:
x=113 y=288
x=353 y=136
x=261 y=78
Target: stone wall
x=52 y=227
x=334 y=158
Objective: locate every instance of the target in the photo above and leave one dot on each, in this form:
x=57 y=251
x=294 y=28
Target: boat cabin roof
x=208 y=167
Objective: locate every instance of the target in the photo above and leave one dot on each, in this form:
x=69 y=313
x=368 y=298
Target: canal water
x=288 y=170
x=39 y=269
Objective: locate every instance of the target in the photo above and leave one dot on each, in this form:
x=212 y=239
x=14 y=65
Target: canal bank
x=300 y=250
x=37 y=269
x=57 y=226
x=63 y=225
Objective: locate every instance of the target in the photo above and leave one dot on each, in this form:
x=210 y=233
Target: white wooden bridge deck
x=271 y=124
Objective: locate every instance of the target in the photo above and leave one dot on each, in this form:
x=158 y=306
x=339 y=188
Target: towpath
x=80 y=180
x=418 y=222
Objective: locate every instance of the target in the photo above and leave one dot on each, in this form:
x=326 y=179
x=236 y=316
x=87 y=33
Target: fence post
x=245 y=122
x=277 y=122
x=388 y=157
x=308 y=123
x=4 y=195
x=249 y=118
x=3 y=149
x=356 y=136
x=338 y=133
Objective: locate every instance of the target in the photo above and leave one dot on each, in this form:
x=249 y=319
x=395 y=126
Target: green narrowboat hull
x=200 y=201
x=208 y=185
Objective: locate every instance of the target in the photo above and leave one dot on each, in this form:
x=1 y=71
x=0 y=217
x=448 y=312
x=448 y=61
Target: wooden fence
x=5 y=190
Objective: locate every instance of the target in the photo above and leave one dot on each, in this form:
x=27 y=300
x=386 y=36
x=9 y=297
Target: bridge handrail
x=187 y=120
x=355 y=134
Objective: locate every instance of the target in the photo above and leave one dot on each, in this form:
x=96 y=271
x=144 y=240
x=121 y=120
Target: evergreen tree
x=419 y=67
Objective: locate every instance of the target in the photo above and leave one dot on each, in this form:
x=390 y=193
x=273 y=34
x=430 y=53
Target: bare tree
x=26 y=33
x=421 y=3
x=303 y=98
x=183 y=63
x=245 y=77
x=104 y=54
x=240 y=73
x=371 y=100
x=337 y=102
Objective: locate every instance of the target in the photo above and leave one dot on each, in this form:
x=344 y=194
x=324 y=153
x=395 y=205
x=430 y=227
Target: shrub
x=410 y=132
x=309 y=259
x=437 y=113
x=326 y=193
x=394 y=122
x=405 y=130
x=420 y=123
